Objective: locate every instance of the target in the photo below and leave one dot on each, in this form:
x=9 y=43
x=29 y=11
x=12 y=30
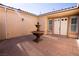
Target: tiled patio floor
x=49 y=46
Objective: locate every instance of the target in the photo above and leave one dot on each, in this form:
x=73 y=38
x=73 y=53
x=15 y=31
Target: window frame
x=72 y=25
x=49 y=24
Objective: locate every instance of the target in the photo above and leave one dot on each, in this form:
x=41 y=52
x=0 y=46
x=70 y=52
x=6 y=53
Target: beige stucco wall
x=16 y=27
x=64 y=13
x=2 y=24
x=13 y=26
x=44 y=24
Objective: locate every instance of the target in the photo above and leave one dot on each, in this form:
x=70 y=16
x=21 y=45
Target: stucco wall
x=13 y=26
x=16 y=27
x=43 y=23
x=64 y=13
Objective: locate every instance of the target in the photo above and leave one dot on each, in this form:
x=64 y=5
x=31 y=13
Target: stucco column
x=68 y=26
x=46 y=25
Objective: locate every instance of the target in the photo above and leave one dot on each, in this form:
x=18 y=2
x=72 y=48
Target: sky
x=40 y=8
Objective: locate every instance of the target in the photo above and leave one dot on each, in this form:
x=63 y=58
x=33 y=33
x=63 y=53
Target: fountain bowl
x=37 y=34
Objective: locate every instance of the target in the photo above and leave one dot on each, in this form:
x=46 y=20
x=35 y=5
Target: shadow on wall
x=2 y=31
x=15 y=46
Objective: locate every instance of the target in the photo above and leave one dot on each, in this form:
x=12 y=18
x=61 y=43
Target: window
x=74 y=24
x=49 y=25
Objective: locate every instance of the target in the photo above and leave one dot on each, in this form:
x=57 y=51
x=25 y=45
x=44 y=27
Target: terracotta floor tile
x=49 y=46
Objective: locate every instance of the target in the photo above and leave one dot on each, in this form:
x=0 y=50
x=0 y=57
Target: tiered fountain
x=37 y=33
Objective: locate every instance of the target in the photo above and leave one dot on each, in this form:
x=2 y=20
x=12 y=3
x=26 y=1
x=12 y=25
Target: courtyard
x=59 y=29
x=48 y=46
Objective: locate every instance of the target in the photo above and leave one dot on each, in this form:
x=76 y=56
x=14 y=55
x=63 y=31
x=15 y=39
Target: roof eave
x=59 y=11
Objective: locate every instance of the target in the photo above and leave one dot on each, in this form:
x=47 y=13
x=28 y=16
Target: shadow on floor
x=11 y=47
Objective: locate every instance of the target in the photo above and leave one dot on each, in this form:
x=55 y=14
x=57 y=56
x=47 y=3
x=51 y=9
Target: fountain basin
x=37 y=34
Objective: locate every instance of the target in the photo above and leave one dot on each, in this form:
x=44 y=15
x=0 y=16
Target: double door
x=60 y=26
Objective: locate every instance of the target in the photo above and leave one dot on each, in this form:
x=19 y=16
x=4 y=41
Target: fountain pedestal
x=37 y=33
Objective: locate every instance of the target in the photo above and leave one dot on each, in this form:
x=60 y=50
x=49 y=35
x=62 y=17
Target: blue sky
x=39 y=8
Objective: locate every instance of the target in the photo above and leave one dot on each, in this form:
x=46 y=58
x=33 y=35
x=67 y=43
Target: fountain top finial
x=38 y=26
x=38 y=23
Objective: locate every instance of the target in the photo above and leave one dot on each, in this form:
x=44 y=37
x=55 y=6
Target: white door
x=60 y=26
x=63 y=25
x=56 y=26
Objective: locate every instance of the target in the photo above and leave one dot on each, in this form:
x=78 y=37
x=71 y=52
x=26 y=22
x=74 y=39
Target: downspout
x=5 y=22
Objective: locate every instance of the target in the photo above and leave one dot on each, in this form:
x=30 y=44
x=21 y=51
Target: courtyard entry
x=60 y=26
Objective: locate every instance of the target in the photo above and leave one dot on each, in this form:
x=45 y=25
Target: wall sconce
x=22 y=19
